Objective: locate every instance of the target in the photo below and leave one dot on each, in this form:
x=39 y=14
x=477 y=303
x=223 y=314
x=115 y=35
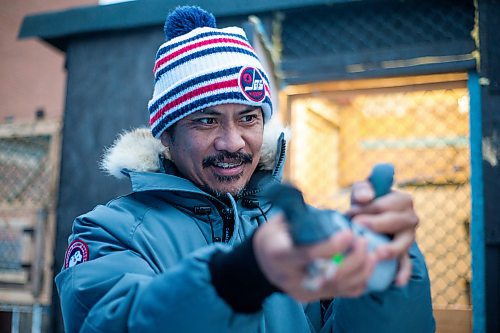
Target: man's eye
x=249 y=118
x=206 y=121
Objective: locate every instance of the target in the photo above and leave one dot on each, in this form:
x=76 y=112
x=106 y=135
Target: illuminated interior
x=338 y=134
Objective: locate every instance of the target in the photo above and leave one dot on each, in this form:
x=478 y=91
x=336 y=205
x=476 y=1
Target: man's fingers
x=390 y=222
x=395 y=201
x=351 y=277
x=356 y=282
x=362 y=193
x=404 y=273
x=356 y=257
x=397 y=247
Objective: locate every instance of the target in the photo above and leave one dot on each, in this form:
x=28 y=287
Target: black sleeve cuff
x=238 y=280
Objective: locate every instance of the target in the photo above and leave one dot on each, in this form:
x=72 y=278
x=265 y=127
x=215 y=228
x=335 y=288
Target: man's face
x=218 y=148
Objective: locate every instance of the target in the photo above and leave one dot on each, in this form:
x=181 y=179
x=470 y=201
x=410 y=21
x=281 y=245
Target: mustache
x=237 y=157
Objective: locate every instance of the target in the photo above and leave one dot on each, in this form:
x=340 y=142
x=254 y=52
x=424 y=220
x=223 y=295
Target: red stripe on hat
x=267 y=89
x=190 y=47
x=192 y=94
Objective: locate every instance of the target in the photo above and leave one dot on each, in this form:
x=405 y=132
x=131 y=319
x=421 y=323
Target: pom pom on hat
x=185 y=19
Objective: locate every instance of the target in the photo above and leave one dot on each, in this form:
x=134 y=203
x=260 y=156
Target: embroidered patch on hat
x=252 y=84
x=77 y=252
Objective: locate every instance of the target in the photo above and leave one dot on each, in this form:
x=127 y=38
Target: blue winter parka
x=146 y=267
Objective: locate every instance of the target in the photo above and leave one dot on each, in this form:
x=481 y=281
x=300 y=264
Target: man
x=196 y=247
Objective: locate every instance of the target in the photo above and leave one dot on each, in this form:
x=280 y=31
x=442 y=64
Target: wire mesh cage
x=28 y=161
x=423 y=129
x=378 y=25
x=25 y=170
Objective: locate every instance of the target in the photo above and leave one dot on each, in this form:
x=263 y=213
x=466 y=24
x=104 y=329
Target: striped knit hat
x=201 y=66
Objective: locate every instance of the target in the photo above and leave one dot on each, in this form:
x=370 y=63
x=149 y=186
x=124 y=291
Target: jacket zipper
x=281 y=158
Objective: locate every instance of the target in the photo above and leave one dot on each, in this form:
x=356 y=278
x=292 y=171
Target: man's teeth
x=227 y=165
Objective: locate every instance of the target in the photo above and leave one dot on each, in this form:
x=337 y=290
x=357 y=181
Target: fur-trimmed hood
x=138 y=150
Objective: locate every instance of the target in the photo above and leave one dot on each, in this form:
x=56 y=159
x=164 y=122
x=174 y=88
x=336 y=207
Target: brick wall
x=32 y=75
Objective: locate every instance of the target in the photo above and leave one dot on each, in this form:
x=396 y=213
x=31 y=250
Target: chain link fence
x=28 y=161
x=362 y=27
x=424 y=131
x=24 y=170
x=24 y=186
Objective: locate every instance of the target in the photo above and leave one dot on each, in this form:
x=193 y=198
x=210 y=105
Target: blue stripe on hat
x=201 y=104
x=265 y=77
x=191 y=83
x=169 y=47
x=203 y=53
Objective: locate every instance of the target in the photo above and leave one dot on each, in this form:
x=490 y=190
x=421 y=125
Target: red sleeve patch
x=77 y=252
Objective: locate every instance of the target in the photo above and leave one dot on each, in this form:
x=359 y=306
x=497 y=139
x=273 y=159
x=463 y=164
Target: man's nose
x=230 y=139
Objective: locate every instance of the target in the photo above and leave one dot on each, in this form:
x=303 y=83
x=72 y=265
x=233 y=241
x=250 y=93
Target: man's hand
x=391 y=214
x=285 y=265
